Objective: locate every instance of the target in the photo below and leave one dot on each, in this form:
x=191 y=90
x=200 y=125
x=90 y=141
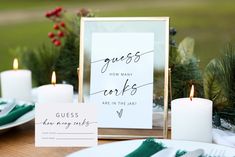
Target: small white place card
x=65 y=125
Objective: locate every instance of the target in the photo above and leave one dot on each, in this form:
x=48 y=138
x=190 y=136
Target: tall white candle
x=191 y=119
x=16 y=84
x=61 y=93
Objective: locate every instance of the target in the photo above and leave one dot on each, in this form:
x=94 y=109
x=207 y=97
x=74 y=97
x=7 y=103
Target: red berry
x=56 y=26
x=57 y=14
x=62 y=24
x=53 y=40
x=58 y=9
x=57 y=43
x=51 y=35
x=48 y=14
x=60 y=34
x=53 y=12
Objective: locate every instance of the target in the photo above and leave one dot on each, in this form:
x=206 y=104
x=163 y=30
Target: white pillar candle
x=16 y=84
x=191 y=119
x=61 y=93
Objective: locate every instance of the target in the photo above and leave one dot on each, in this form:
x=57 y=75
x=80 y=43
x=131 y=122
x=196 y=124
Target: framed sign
x=124 y=72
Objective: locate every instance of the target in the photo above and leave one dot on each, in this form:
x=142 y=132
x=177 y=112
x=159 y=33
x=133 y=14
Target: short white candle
x=191 y=119
x=16 y=84
x=61 y=93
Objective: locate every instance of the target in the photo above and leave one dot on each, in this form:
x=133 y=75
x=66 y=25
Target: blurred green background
x=210 y=22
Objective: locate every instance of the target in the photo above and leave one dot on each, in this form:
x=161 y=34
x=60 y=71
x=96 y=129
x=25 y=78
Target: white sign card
x=122 y=78
x=65 y=125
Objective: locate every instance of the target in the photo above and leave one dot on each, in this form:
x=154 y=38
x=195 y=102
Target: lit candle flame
x=53 y=78
x=191 y=93
x=15 y=64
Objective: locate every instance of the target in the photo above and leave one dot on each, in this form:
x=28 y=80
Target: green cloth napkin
x=150 y=147
x=17 y=112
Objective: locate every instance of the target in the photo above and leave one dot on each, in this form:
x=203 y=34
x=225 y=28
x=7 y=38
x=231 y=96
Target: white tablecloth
x=222 y=137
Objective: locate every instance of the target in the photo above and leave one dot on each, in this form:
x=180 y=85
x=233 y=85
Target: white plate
x=23 y=119
x=26 y=117
x=120 y=149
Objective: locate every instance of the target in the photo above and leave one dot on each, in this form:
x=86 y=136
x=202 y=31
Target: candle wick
x=191 y=98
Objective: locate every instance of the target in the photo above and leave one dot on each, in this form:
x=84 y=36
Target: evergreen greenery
x=64 y=59
x=67 y=62
x=41 y=62
x=219 y=85
x=184 y=69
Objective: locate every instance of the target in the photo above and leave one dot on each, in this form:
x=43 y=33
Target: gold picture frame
x=160 y=27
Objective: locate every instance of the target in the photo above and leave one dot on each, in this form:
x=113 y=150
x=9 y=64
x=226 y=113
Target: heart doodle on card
x=120 y=113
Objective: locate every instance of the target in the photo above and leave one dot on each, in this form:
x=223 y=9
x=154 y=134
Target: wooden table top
x=19 y=142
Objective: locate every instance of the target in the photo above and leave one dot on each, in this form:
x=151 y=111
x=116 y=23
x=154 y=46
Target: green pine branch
x=219 y=85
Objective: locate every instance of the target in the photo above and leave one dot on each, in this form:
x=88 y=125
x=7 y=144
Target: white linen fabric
x=223 y=137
